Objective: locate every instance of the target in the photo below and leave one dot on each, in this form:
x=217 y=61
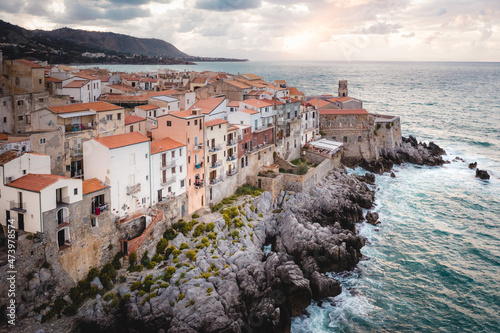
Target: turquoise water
x=435 y=260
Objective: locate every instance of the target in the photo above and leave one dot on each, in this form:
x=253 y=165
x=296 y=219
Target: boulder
x=323 y=286
x=482 y=174
x=473 y=165
x=393 y=175
x=45 y=274
x=96 y=282
x=372 y=218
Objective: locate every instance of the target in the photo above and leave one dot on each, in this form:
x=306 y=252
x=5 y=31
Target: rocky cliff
x=250 y=267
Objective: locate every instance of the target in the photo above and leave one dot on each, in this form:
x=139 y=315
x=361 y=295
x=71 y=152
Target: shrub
x=209 y=291
x=172 y=304
x=169 y=251
x=132 y=258
x=126 y=297
x=92 y=274
x=169 y=234
x=116 y=260
x=235 y=234
x=195 y=216
x=180 y=297
x=169 y=272
x=217 y=207
x=122 y=279
x=209 y=227
x=30 y=236
x=182 y=227
x=191 y=255
x=206 y=275
x=137 y=285
x=141 y=293
x=191 y=302
x=108 y=275
x=198 y=231
x=184 y=246
x=111 y=297
x=145 y=259
x=176 y=253
x=157 y=258
x=301 y=169
x=151 y=295
x=211 y=235
x=161 y=246
x=248 y=190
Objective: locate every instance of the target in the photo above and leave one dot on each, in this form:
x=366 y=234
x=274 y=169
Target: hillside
x=66 y=45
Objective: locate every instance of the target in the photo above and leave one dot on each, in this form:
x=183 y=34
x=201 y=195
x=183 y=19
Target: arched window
x=345 y=138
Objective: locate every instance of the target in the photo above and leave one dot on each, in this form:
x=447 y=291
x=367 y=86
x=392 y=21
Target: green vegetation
x=184 y=246
x=161 y=246
x=180 y=297
x=199 y=230
x=195 y=216
x=169 y=234
x=191 y=255
x=210 y=227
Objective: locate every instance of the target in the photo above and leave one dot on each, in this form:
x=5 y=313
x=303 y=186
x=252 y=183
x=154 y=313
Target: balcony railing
x=216 y=164
x=198 y=184
x=232 y=172
x=216 y=181
x=232 y=143
x=76 y=152
x=169 y=165
x=18 y=206
x=231 y=158
x=102 y=207
x=215 y=148
x=263 y=128
x=78 y=127
x=63 y=220
x=168 y=181
x=199 y=146
x=133 y=188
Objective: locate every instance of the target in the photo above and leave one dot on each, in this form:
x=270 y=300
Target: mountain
x=109 y=41
x=66 y=45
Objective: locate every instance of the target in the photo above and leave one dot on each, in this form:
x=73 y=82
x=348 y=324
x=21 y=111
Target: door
x=182 y=211
x=125 y=248
x=58 y=195
x=160 y=196
x=213 y=143
x=60 y=238
x=60 y=216
x=20 y=221
x=20 y=195
x=7 y=216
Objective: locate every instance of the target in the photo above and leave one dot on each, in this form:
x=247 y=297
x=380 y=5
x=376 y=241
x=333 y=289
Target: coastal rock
x=96 y=282
x=393 y=175
x=473 y=165
x=323 y=286
x=372 y=218
x=482 y=174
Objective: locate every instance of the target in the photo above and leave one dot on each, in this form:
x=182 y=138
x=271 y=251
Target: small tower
x=343 y=88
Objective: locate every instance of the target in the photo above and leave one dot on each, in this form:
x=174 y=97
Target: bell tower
x=343 y=88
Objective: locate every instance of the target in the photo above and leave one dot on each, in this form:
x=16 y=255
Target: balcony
x=78 y=127
x=199 y=165
x=62 y=221
x=168 y=181
x=198 y=184
x=133 y=188
x=263 y=128
x=198 y=147
x=99 y=209
x=216 y=164
x=76 y=152
x=216 y=181
x=232 y=172
x=18 y=206
x=215 y=148
x=63 y=202
x=240 y=138
x=231 y=158
x=169 y=165
x=232 y=143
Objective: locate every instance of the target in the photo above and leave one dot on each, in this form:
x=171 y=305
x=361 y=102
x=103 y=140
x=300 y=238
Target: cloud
x=431 y=38
x=381 y=28
x=441 y=11
x=227 y=5
x=486 y=32
x=215 y=30
x=412 y=34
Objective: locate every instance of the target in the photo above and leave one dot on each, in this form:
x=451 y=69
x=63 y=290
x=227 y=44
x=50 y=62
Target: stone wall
x=215 y=193
x=148 y=237
x=387 y=131
x=282 y=163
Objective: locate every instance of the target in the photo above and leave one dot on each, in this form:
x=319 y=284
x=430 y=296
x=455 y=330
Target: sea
x=433 y=263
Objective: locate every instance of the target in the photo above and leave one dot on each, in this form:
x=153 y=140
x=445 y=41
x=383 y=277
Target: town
x=95 y=162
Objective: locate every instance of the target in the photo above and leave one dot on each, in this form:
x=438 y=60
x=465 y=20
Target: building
x=168 y=170
x=187 y=127
x=122 y=162
x=136 y=124
x=24 y=76
x=309 y=128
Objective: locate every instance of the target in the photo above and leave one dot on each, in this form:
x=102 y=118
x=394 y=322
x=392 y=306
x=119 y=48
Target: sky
x=350 y=30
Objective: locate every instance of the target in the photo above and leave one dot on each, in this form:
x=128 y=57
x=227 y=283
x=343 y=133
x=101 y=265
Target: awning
x=326 y=144
x=76 y=114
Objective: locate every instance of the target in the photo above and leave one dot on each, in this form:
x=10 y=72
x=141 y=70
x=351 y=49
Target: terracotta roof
x=339 y=99
x=342 y=111
x=52 y=79
x=28 y=63
x=184 y=114
x=8 y=156
x=231 y=127
x=148 y=79
x=258 y=103
x=158 y=146
x=103 y=78
x=234 y=104
x=67 y=68
x=133 y=119
x=148 y=107
x=76 y=84
x=215 y=122
x=255 y=92
x=96 y=106
x=3 y=136
x=238 y=84
x=35 y=182
x=92 y=185
x=123 y=87
x=88 y=77
x=295 y=91
x=207 y=105
x=249 y=111
x=318 y=102
x=251 y=76
x=199 y=80
x=122 y=140
x=279 y=82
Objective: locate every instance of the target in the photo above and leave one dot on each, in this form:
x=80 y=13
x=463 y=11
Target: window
x=75 y=191
x=20 y=118
x=242 y=146
x=42 y=141
x=188 y=123
x=359 y=139
x=17 y=81
x=40 y=81
x=109 y=117
x=173 y=153
x=68 y=168
x=180 y=168
x=119 y=115
x=169 y=123
x=24 y=172
x=242 y=162
x=246 y=160
x=196 y=122
x=146 y=155
x=258 y=155
x=189 y=159
x=180 y=152
x=93 y=222
x=182 y=183
x=40 y=100
x=132 y=128
x=143 y=201
x=345 y=138
x=173 y=170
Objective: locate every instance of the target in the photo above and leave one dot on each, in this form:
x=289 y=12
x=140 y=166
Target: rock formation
x=232 y=285
x=482 y=174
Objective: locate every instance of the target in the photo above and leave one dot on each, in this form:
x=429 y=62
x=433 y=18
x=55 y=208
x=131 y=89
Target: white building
x=309 y=128
x=246 y=117
x=122 y=162
x=168 y=169
x=266 y=109
x=82 y=88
